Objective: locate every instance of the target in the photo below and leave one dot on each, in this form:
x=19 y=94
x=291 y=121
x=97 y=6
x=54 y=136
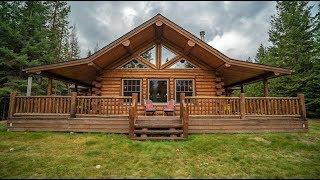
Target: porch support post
x=265 y=87
x=49 y=88
x=29 y=86
x=76 y=87
x=73 y=106
x=12 y=104
x=241 y=88
x=302 y=107
x=242 y=106
x=133 y=114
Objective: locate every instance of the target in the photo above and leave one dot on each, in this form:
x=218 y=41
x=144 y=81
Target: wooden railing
x=213 y=105
x=84 y=105
x=133 y=114
x=43 y=104
x=102 y=105
x=246 y=106
x=272 y=106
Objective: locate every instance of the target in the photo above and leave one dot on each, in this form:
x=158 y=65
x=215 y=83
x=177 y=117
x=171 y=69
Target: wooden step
x=158 y=125
x=158 y=131
x=158 y=118
x=157 y=138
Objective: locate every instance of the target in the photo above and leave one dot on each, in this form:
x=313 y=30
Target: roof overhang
x=84 y=71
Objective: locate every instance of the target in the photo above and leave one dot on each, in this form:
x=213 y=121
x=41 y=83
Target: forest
x=35 y=33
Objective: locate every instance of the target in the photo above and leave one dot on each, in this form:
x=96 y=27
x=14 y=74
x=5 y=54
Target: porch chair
x=170 y=107
x=149 y=107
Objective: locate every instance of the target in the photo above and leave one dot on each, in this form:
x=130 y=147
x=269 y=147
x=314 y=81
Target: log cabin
x=157 y=61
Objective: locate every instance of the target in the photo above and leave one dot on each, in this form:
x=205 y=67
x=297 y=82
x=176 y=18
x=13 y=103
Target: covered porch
x=122 y=114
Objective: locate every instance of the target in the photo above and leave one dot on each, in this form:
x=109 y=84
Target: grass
x=95 y=155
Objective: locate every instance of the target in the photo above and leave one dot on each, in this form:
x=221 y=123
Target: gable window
x=134 y=64
x=183 y=64
x=184 y=86
x=150 y=55
x=166 y=55
x=131 y=86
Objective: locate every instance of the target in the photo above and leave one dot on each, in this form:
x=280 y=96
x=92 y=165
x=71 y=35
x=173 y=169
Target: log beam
x=98 y=68
x=225 y=65
x=127 y=46
x=190 y=44
x=159 y=31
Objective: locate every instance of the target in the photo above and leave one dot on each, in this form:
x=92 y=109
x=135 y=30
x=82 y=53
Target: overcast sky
x=234 y=28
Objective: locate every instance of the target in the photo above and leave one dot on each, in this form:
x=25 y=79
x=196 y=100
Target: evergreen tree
x=74 y=44
x=89 y=53
x=291 y=35
x=96 y=48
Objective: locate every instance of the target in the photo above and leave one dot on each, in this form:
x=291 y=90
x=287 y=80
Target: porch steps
x=158 y=128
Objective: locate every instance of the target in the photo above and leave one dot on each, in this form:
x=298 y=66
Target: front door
x=158 y=90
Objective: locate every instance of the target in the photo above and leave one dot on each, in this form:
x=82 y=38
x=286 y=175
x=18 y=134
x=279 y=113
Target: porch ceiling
x=84 y=71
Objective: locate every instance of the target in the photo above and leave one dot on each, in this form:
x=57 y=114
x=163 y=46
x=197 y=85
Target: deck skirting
x=120 y=124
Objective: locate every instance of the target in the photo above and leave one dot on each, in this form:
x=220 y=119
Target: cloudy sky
x=234 y=28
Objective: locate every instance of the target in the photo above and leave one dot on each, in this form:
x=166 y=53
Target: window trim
x=148 y=90
x=122 y=86
x=185 y=79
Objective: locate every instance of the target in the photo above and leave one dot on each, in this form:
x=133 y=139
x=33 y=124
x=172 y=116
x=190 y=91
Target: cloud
x=235 y=28
x=232 y=42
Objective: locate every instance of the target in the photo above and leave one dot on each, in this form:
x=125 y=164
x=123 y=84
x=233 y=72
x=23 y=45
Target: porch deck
x=122 y=115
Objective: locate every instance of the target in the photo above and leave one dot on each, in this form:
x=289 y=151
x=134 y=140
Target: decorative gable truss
x=158 y=56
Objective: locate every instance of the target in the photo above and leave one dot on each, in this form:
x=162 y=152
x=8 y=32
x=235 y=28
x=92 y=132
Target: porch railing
x=83 y=105
x=247 y=106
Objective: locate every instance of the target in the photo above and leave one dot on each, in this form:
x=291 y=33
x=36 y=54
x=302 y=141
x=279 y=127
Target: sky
x=234 y=28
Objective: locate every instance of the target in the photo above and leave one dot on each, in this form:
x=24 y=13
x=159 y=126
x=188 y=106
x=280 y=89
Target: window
x=158 y=91
x=131 y=86
x=183 y=64
x=150 y=55
x=134 y=64
x=166 y=55
x=184 y=86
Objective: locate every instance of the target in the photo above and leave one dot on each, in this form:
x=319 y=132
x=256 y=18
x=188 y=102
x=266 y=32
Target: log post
x=29 y=86
x=73 y=106
x=302 y=106
x=12 y=104
x=133 y=114
x=242 y=106
x=241 y=88
x=265 y=87
x=184 y=115
x=49 y=87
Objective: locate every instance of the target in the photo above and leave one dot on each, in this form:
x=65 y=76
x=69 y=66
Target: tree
x=96 y=48
x=74 y=44
x=89 y=53
x=25 y=41
x=291 y=35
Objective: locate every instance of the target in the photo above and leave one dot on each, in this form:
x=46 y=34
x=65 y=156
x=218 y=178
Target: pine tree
x=96 y=48
x=291 y=35
x=74 y=44
x=89 y=53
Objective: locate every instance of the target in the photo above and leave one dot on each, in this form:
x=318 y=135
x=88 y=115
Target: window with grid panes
x=184 y=86
x=131 y=86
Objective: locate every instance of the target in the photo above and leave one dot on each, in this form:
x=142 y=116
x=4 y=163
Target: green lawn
x=64 y=155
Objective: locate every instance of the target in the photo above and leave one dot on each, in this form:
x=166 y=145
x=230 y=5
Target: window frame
x=185 y=79
x=122 y=87
x=127 y=62
x=160 y=54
